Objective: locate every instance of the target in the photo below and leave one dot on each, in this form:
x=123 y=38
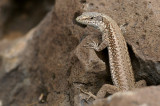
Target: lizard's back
x=120 y=64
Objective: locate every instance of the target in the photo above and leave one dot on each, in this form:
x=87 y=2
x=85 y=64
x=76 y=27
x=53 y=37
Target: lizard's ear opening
x=99 y=18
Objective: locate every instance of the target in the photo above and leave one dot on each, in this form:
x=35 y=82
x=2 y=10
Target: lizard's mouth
x=82 y=20
x=79 y=19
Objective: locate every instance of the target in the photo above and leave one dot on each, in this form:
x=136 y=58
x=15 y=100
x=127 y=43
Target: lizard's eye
x=91 y=17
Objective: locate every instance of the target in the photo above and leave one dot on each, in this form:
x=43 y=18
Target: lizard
x=120 y=64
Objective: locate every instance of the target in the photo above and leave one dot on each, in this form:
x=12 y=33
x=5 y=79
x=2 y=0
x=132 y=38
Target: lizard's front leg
x=95 y=46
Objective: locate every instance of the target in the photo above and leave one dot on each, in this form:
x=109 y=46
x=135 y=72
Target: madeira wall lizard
x=120 y=64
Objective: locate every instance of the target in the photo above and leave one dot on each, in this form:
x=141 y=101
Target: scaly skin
x=120 y=64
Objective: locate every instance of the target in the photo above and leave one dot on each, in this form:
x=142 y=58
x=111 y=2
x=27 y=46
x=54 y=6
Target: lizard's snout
x=77 y=19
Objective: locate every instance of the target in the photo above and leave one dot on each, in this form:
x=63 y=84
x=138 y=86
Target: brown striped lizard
x=120 y=64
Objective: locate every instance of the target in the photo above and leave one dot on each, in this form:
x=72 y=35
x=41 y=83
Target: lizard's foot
x=88 y=93
x=92 y=45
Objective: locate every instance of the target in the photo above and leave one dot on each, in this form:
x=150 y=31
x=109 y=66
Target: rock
x=13 y=53
x=53 y=61
x=139 y=97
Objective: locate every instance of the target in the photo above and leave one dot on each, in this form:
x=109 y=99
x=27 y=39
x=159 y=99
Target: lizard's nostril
x=79 y=22
x=77 y=19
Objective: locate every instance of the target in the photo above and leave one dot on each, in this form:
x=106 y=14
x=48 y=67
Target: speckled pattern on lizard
x=120 y=64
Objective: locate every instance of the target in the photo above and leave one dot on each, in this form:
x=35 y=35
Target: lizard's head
x=91 y=18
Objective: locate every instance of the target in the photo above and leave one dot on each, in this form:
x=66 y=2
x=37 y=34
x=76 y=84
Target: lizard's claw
x=92 y=45
x=88 y=93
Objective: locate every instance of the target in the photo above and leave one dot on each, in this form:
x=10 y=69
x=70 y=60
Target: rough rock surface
x=42 y=58
x=139 y=97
